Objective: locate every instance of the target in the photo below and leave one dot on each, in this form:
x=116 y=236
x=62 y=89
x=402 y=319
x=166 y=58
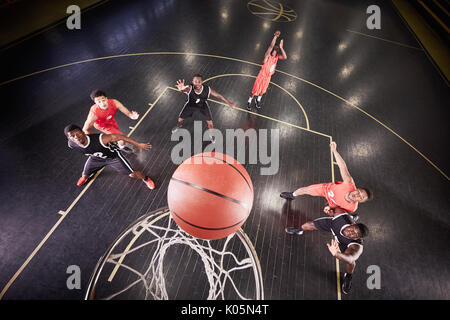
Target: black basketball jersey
x=198 y=99
x=96 y=148
x=337 y=225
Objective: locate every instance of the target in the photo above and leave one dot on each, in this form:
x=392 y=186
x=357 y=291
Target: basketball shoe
x=294 y=230
x=150 y=184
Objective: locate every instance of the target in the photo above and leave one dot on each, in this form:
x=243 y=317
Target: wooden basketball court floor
x=383 y=102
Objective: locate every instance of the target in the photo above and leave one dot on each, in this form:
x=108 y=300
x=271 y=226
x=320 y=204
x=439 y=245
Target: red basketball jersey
x=336 y=195
x=105 y=118
x=263 y=79
x=268 y=68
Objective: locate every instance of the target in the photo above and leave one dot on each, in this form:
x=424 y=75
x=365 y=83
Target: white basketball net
x=220 y=264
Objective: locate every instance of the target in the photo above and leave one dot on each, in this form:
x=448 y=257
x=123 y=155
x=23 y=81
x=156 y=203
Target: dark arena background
x=370 y=75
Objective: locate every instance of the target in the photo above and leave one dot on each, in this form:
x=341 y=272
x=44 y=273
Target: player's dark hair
x=276 y=48
x=97 y=93
x=369 y=193
x=363 y=230
x=70 y=128
x=198 y=75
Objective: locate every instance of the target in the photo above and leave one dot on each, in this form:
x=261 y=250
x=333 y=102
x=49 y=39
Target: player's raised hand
x=134 y=115
x=333 y=247
x=333 y=146
x=144 y=146
x=327 y=210
x=277 y=33
x=180 y=85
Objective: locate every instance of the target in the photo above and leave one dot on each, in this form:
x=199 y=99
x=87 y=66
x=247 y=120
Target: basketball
x=210 y=196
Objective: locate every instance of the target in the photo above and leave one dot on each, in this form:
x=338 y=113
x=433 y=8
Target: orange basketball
x=210 y=195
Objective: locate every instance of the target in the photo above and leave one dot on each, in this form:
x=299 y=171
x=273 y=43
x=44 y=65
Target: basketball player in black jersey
x=347 y=245
x=103 y=150
x=198 y=95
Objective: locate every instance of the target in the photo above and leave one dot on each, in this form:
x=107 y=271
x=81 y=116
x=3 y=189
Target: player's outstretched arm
x=341 y=164
x=272 y=44
x=130 y=114
x=107 y=138
x=221 y=97
x=89 y=123
x=283 y=53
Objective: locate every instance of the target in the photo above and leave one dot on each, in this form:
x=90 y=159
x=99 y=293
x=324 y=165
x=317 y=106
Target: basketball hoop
x=146 y=262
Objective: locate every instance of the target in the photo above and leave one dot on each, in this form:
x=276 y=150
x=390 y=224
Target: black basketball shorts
x=120 y=164
x=188 y=110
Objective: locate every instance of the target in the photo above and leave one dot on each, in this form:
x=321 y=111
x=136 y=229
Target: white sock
x=259 y=98
x=250 y=100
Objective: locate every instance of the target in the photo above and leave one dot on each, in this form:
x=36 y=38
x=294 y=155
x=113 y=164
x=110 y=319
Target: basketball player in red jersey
x=101 y=116
x=342 y=194
x=267 y=70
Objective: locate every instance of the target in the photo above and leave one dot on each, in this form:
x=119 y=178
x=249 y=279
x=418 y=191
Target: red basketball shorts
x=261 y=84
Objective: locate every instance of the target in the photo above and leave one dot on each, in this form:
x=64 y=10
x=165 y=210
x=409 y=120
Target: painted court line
x=273 y=83
x=35 y=251
x=386 y=40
